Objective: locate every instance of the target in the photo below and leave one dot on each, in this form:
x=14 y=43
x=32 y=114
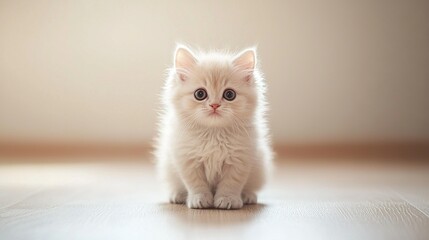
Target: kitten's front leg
x=199 y=193
x=228 y=193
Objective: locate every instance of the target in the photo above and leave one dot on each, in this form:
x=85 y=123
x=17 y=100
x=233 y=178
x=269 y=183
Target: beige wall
x=336 y=70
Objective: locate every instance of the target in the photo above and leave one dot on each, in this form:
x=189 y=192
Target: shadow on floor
x=212 y=217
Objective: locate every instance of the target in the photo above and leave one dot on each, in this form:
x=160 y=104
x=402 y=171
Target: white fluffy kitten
x=212 y=148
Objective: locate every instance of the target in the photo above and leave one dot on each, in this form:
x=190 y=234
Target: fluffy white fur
x=213 y=160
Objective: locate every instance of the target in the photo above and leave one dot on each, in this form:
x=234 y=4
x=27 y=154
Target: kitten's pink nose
x=214 y=106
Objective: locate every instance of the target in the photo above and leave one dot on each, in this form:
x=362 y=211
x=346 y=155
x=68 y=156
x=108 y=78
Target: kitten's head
x=214 y=89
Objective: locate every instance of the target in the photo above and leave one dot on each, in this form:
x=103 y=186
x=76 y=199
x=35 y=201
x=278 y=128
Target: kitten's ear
x=246 y=60
x=184 y=61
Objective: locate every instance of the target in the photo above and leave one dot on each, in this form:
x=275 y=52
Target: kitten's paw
x=178 y=197
x=200 y=200
x=249 y=198
x=228 y=201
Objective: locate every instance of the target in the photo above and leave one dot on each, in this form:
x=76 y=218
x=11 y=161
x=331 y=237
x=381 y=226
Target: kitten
x=212 y=148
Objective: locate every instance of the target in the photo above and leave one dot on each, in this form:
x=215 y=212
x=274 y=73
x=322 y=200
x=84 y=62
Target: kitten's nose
x=214 y=106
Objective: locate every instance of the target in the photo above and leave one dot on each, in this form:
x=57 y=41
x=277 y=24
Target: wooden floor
x=121 y=199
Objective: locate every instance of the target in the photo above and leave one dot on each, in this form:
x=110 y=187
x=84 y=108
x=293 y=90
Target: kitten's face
x=214 y=90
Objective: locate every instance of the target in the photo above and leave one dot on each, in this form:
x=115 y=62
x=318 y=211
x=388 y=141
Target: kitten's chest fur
x=211 y=149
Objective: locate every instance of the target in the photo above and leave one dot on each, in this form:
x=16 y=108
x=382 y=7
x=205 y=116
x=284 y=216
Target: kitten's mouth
x=214 y=113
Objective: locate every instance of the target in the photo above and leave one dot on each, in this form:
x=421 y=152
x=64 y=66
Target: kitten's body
x=210 y=157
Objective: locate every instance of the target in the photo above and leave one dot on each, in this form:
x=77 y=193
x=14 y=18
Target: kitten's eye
x=200 y=94
x=229 y=94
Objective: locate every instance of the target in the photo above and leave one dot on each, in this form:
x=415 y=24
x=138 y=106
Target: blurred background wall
x=336 y=70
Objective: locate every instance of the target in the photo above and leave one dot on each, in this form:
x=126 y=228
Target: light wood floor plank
x=123 y=200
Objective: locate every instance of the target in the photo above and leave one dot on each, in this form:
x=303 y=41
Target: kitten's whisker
x=240 y=124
